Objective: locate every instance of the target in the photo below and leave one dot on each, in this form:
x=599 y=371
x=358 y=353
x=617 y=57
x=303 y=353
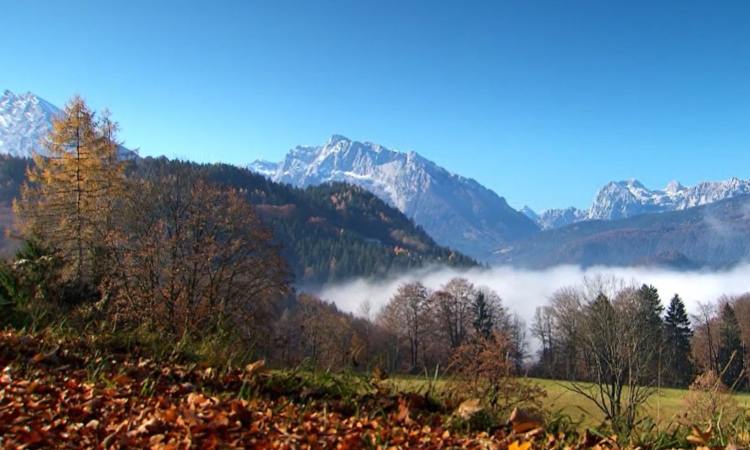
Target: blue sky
x=542 y=101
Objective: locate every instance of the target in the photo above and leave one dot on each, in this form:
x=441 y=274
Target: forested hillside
x=327 y=232
x=12 y=174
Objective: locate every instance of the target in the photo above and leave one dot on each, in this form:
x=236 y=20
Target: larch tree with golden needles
x=68 y=200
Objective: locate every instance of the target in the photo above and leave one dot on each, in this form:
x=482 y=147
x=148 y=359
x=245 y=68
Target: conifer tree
x=483 y=317
x=731 y=355
x=650 y=310
x=69 y=198
x=650 y=323
x=677 y=335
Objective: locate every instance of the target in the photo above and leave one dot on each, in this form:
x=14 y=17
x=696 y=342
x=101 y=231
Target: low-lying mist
x=523 y=290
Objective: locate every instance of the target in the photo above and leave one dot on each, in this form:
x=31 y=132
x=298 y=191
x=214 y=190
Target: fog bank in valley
x=523 y=290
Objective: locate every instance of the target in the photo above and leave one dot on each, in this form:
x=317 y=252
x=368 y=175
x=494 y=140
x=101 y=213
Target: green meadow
x=664 y=407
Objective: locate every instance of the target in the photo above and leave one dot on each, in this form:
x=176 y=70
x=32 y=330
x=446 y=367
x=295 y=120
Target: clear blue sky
x=543 y=101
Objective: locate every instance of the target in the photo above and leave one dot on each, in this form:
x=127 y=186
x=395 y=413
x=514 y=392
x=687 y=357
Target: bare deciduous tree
x=617 y=356
x=193 y=258
x=453 y=306
x=406 y=315
x=705 y=345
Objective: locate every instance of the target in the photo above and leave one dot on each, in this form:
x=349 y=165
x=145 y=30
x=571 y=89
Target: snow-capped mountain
x=456 y=211
x=265 y=168
x=714 y=235
x=555 y=218
x=629 y=198
x=25 y=119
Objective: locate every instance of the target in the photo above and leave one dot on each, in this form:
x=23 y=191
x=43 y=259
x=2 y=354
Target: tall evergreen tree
x=678 y=367
x=731 y=355
x=650 y=309
x=650 y=322
x=483 y=317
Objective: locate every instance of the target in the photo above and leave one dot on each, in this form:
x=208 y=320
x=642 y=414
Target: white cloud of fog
x=523 y=290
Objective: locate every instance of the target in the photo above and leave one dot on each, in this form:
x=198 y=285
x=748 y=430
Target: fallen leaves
x=698 y=437
x=522 y=422
x=138 y=403
x=469 y=408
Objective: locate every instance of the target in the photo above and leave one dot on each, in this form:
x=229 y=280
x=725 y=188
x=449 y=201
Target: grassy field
x=663 y=407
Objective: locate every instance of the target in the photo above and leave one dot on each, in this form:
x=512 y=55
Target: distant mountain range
x=627 y=224
x=456 y=211
x=713 y=235
x=624 y=199
x=555 y=218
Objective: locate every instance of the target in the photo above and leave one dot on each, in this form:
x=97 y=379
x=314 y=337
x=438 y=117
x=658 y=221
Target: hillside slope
x=715 y=235
x=332 y=231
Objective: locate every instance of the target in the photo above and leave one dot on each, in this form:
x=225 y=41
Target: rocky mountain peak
x=455 y=211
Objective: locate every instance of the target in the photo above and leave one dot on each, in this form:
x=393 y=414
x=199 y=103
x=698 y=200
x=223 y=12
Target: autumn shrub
x=482 y=370
x=316 y=335
x=708 y=402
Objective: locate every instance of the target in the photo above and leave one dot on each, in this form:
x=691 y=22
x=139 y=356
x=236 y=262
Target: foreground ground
x=75 y=397
x=71 y=395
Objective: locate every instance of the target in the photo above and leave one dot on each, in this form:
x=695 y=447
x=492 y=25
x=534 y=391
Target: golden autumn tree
x=68 y=200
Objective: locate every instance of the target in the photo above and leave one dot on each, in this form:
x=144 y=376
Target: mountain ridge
x=456 y=211
x=714 y=236
x=459 y=213
x=630 y=198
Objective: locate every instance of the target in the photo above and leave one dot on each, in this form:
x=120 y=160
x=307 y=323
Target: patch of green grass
x=663 y=407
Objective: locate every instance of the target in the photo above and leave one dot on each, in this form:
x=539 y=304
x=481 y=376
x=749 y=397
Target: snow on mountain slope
x=265 y=168
x=619 y=200
x=629 y=198
x=456 y=211
x=530 y=213
x=556 y=218
x=715 y=235
x=25 y=120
